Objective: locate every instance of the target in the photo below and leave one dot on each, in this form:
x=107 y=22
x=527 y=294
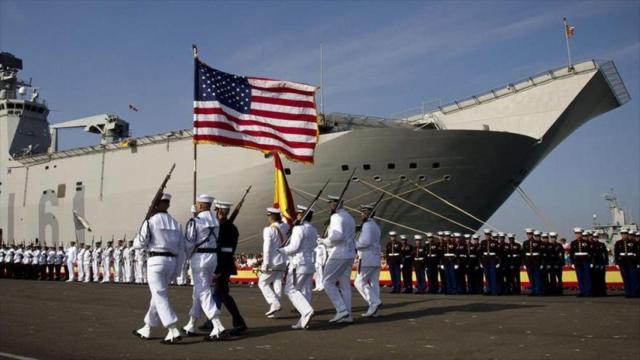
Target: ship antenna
x=322 y=80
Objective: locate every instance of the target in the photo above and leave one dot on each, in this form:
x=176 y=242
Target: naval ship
x=450 y=167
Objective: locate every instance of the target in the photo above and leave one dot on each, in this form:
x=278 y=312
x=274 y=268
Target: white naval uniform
x=161 y=234
x=117 y=264
x=202 y=232
x=138 y=259
x=300 y=251
x=96 y=262
x=342 y=252
x=87 y=261
x=320 y=253
x=72 y=253
x=368 y=278
x=273 y=264
x=127 y=257
x=106 y=264
x=80 y=265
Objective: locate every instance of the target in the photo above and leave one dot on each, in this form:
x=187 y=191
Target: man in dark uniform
x=557 y=264
x=419 y=265
x=504 y=261
x=394 y=261
x=432 y=263
x=490 y=250
x=474 y=271
x=406 y=252
x=533 y=262
x=462 y=253
x=449 y=263
x=546 y=251
x=512 y=265
x=442 y=236
x=227 y=243
x=626 y=254
x=600 y=262
x=580 y=255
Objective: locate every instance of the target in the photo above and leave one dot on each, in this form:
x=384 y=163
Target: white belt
x=449 y=254
x=516 y=255
x=532 y=254
x=433 y=255
x=394 y=254
x=491 y=253
x=472 y=256
x=419 y=259
x=226 y=249
x=628 y=254
x=581 y=254
x=462 y=255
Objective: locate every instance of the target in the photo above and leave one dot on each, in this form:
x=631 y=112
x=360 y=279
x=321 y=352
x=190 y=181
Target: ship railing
x=610 y=72
x=518 y=86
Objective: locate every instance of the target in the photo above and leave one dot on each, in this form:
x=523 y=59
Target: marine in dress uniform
x=532 y=258
x=72 y=255
x=202 y=235
x=419 y=265
x=462 y=254
x=394 y=261
x=546 y=251
x=300 y=251
x=162 y=236
x=449 y=263
x=513 y=264
x=503 y=270
x=273 y=262
x=490 y=250
x=368 y=273
x=581 y=261
x=600 y=262
x=442 y=236
x=432 y=249
x=342 y=250
x=406 y=253
x=626 y=254
x=474 y=269
x=557 y=264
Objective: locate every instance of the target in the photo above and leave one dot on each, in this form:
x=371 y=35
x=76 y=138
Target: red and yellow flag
x=282 y=198
x=570 y=30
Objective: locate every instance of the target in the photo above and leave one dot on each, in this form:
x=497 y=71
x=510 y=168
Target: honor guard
x=474 y=268
x=546 y=250
x=432 y=249
x=368 y=274
x=300 y=251
x=202 y=243
x=59 y=261
x=107 y=256
x=503 y=269
x=513 y=251
x=394 y=262
x=41 y=263
x=557 y=264
x=96 y=261
x=600 y=262
x=462 y=253
x=87 y=261
x=626 y=254
x=533 y=262
x=273 y=262
x=419 y=265
x=580 y=255
x=341 y=246
x=127 y=258
x=406 y=253
x=162 y=236
x=118 y=265
x=27 y=259
x=79 y=257
x=72 y=255
x=17 y=262
x=490 y=260
x=321 y=255
x=449 y=263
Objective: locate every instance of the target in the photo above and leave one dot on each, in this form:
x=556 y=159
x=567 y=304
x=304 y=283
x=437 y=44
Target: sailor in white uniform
x=138 y=258
x=96 y=263
x=117 y=262
x=320 y=259
x=368 y=246
x=273 y=261
x=78 y=261
x=300 y=251
x=202 y=242
x=162 y=236
x=127 y=258
x=341 y=247
x=107 y=255
x=87 y=260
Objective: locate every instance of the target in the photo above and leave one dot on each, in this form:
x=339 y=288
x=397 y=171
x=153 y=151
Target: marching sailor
x=341 y=247
x=273 y=261
x=202 y=242
x=117 y=262
x=162 y=235
x=106 y=262
x=368 y=246
x=320 y=259
x=86 y=262
x=96 y=261
x=72 y=254
x=300 y=251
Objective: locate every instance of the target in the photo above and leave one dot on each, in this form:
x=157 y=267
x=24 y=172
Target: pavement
x=57 y=320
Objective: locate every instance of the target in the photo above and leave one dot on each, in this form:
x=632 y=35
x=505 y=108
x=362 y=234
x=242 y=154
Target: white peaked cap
x=577 y=230
x=457 y=234
x=204 y=198
x=494 y=234
x=528 y=230
x=166 y=196
x=553 y=234
x=272 y=210
x=474 y=236
x=487 y=231
x=511 y=236
x=333 y=198
x=500 y=234
x=417 y=237
x=429 y=235
x=446 y=233
x=302 y=208
x=223 y=204
x=440 y=233
x=536 y=233
x=403 y=237
x=467 y=236
x=392 y=233
x=545 y=234
x=624 y=231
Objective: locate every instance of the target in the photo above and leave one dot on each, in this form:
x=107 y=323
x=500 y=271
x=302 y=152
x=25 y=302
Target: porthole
x=435 y=165
x=287 y=171
x=447 y=177
x=345 y=167
x=413 y=166
x=403 y=177
x=366 y=166
x=391 y=166
x=422 y=178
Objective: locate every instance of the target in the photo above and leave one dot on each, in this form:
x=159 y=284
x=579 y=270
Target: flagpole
x=566 y=36
x=195 y=143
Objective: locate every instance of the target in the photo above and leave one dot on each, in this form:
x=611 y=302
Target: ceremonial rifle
x=309 y=209
x=157 y=197
x=344 y=190
x=236 y=211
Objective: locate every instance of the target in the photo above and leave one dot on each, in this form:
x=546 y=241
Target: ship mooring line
x=418 y=206
x=535 y=209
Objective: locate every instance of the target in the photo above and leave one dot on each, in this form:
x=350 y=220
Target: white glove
x=456 y=267
x=263 y=268
x=442 y=267
x=573 y=266
x=618 y=267
x=591 y=266
x=481 y=267
x=524 y=267
x=497 y=266
x=541 y=267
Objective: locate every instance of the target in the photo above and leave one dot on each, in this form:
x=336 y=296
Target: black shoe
x=214 y=338
x=137 y=334
x=171 y=341
x=236 y=330
x=188 y=333
x=207 y=326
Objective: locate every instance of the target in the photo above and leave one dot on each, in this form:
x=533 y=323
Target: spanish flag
x=569 y=29
x=282 y=198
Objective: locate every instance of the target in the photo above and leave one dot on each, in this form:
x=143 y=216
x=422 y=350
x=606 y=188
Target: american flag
x=257 y=113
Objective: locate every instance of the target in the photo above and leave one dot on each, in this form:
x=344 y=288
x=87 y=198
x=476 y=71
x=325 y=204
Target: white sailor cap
x=403 y=237
x=333 y=198
x=224 y=205
x=494 y=234
x=272 y=210
x=487 y=231
x=577 y=230
x=536 y=233
x=528 y=231
x=366 y=207
x=166 y=196
x=193 y=208
x=511 y=236
x=544 y=234
x=501 y=234
x=624 y=231
x=467 y=236
x=417 y=237
x=392 y=233
x=429 y=235
x=457 y=234
x=586 y=232
x=475 y=237
x=302 y=208
x=204 y=198
x=553 y=234
x=446 y=233
x=440 y=233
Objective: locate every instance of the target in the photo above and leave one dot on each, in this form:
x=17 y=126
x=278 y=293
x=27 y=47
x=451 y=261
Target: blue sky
x=381 y=58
